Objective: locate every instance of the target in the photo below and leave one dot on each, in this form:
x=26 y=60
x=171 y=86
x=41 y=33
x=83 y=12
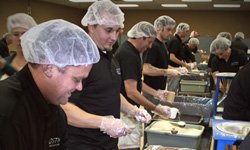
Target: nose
x=114 y=36
x=79 y=86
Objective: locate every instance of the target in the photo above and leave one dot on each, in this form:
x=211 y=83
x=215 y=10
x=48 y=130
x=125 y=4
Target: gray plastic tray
x=166 y=138
x=193 y=86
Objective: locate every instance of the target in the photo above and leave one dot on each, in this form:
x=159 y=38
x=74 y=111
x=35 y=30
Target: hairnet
x=60 y=43
x=164 y=21
x=239 y=35
x=103 y=13
x=142 y=29
x=220 y=43
x=20 y=20
x=225 y=35
x=194 y=41
x=182 y=27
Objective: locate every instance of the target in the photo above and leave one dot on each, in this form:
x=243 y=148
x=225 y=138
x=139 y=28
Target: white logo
x=54 y=142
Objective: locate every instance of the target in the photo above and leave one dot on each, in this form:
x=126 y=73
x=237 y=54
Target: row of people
x=60 y=57
x=111 y=85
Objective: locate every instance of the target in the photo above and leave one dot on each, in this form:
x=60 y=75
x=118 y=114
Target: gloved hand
x=192 y=65
x=172 y=72
x=188 y=66
x=114 y=127
x=140 y=115
x=182 y=70
x=161 y=95
x=163 y=111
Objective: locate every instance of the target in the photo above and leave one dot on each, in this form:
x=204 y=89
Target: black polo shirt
x=235 y=61
x=189 y=56
x=240 y=45
x=131 y=66
x=27 y=120
x=100 y=96
x=237 y=102
x=176 y=47
x=157 y=56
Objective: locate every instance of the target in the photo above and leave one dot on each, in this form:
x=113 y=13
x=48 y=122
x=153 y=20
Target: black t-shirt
x=27 y=120
x=237 y=102
x=157 y=56
x=189 y=56
x=176 y=47
x=211 y=56
x=131 y=66
x=100 y=96
x=240 y=45
x=235 y=61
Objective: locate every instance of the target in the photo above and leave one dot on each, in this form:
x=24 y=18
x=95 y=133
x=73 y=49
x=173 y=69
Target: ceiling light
x=82 y=1
x=227 y=5
x=174 y=5
x=127 y=5
x=137 y=0
x=196 y=0
x=246 y=0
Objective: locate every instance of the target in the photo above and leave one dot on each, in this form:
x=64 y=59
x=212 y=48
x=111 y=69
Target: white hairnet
x=182 y=27
x=239 y=35
x=103 y=13
x=225 y=35
x=20 y=20
x=194 y=41
x=220 y=43
x=142 y=29
x=164 y=21
x=60 y=43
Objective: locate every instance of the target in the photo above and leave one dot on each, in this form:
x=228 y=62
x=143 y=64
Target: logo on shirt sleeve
x=118 y=71
x=236 y=63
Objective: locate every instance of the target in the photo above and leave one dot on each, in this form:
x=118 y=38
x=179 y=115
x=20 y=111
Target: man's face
x=65 y=81
x=166 y=33
x=222 y=54
x=183 y=35
x=145 y=43
x=104 y=36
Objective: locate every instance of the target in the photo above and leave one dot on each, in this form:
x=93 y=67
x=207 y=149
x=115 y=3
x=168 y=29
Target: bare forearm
x=80 y=118
x=176 y=60
x=141 y=100
x=148 y=89
x=150 y=70
x=125 y=105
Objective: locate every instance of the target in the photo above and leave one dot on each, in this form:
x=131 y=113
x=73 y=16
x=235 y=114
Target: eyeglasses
x=17 y=34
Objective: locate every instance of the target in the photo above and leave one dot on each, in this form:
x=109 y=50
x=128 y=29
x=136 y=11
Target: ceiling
x=156 y=4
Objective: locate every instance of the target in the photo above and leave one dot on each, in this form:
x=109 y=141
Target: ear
x=91 y=28
x=47 y=70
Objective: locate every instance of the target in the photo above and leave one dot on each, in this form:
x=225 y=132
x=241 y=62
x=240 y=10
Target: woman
x=17 y=25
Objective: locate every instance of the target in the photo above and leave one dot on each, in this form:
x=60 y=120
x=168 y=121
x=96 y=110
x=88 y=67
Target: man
x=238 y=42
x=226 y=35
x=236 y=105
x=140 y=38
x=189 y=51
x=227 y=60
x=59 y=55
x=177 y=53
x=93 y=113
x=156 y=59
x=175 y=46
